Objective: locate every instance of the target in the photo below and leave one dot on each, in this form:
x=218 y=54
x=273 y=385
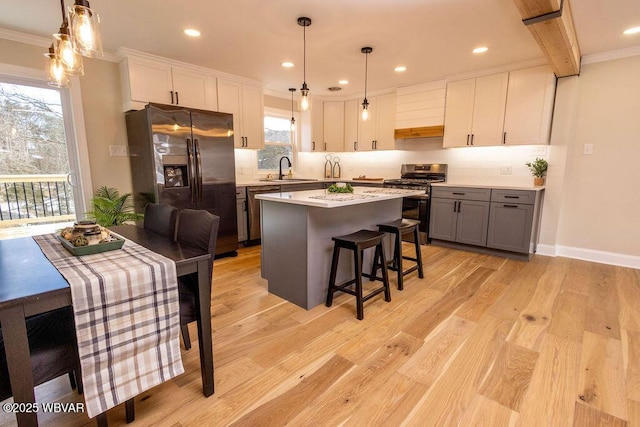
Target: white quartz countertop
x=257 y=183
x=499 y=187
x=324 y=199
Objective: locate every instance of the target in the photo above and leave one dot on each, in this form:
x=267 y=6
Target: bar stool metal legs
x=400 y=228
x=358 y=242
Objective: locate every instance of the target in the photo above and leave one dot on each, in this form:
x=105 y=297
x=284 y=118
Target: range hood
x=419 y=132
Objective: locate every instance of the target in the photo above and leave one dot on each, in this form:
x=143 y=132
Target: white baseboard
x=592 y=255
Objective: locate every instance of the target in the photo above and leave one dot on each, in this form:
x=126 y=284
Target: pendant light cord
x=64 y=16
x=366 y=68
x=304 y=53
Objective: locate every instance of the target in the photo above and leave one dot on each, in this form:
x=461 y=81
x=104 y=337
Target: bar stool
x=358 y=242
x=399 y=228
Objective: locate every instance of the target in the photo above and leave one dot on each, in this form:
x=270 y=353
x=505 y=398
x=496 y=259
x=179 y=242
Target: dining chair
x=160 y=219
x=197 y=228
x=53 y=347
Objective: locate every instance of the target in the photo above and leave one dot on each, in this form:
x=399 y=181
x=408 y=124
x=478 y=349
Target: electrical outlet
x=587 y=149
x=505 y=170
x=540 y=151
x=118 y=151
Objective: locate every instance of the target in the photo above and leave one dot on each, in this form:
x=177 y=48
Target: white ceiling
x=250 y=38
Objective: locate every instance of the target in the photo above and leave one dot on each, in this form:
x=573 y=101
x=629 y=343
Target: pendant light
x=365 y=103
x=63 y=46
x=304 y=22
x=56 y=73
x=293 y=120
x=85 y=29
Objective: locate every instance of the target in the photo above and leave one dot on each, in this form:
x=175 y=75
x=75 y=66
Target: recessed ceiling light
x=633 y=30
x=400 y=69
x=287 y=64
x=481 y=49
x=343 y=82
x=192 y=32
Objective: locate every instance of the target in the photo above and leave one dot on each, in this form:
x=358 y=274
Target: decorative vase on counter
x=538 y=182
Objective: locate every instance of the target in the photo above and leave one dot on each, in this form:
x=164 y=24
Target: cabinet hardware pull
x=504 y=138
x=458 y=194
x=472 y=135
x=172 y=97
x=459 y=205
x=313 y=146
x=177 y=99
x=468 y=139
x=325 y=146
x=510 y=206
x=455 y=206
x=355 y=146
x=511 y=197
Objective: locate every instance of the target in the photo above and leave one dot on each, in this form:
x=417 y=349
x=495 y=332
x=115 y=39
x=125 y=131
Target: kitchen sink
x=289 y=180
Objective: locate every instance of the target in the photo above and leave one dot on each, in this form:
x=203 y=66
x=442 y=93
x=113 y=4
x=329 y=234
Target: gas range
x=419 y=176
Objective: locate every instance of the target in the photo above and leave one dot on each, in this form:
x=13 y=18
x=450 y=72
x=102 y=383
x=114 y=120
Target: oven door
x=417 y=208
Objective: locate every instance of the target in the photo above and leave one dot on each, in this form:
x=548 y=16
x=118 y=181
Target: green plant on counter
x=335 y=189
x=111 y=208
x=538 y=167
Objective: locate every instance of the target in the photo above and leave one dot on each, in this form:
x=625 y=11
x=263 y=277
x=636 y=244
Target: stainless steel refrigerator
x=185 y=157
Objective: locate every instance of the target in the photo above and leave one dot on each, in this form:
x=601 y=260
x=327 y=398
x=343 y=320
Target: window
x=278 y=140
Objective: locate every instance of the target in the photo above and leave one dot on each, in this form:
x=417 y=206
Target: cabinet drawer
x=241 y=193
x=461 y=193
x=526 y=197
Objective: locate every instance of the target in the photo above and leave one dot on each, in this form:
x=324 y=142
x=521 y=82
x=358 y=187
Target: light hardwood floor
x=481 y=340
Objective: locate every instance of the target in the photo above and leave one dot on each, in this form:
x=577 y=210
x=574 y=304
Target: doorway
x=39 y=185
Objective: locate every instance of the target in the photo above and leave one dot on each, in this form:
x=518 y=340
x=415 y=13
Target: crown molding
x=611 y=55
x=496 y=70
x=39 y=41
x=19 y=37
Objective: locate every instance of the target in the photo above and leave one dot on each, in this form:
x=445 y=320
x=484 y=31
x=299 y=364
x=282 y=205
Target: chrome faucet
x=280 y=175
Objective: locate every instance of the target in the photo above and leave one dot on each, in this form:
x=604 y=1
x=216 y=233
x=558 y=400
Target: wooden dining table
x=30 y=285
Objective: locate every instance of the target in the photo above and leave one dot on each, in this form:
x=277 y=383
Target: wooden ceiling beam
x=551 y=25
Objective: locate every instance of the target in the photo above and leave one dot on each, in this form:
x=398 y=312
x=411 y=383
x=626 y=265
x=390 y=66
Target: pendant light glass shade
x=365 y=102
x=293 y=120
x=85 y=29
x=56 y=72
x=63 y=47
x=304 y=22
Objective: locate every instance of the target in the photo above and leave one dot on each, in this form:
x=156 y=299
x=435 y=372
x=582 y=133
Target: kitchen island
x=297 y=228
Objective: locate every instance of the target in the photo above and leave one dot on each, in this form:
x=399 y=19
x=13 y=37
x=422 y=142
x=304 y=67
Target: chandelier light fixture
x=365 y=102
x=85 y=29
x=56 y=72
x=293 y=120
x=79 y=36
x=304 y=22
x=63 y=47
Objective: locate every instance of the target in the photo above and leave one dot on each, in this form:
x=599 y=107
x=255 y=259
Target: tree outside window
x=278 y=142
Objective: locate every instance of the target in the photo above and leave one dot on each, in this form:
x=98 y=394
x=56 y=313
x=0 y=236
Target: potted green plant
x=538 y=169
x=111 y=208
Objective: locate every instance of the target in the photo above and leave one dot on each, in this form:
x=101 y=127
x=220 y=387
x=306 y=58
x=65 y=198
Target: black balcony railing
x=35 y=198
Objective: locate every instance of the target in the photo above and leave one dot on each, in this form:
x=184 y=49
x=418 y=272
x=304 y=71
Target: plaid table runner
x=127 y=319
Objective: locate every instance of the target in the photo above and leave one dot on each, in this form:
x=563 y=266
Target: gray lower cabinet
x=494 y=218
x=460 y=215
x=511 y=220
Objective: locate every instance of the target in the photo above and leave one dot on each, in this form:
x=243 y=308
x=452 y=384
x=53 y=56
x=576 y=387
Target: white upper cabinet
x=512 y=108
x=475 y=109
x=246 y=103
x=333 y=125
x=351 y=116
x=376 y=133
x=316 y=114
x=146 y=80
x=530 y=99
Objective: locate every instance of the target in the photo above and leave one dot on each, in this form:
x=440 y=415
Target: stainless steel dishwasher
x=254 y=208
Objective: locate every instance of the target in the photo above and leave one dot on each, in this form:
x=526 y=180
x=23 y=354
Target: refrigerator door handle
x=192 y=180
x=198 y=170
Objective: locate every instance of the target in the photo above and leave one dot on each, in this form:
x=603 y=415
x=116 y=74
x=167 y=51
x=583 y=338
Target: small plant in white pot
x=538 y=169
